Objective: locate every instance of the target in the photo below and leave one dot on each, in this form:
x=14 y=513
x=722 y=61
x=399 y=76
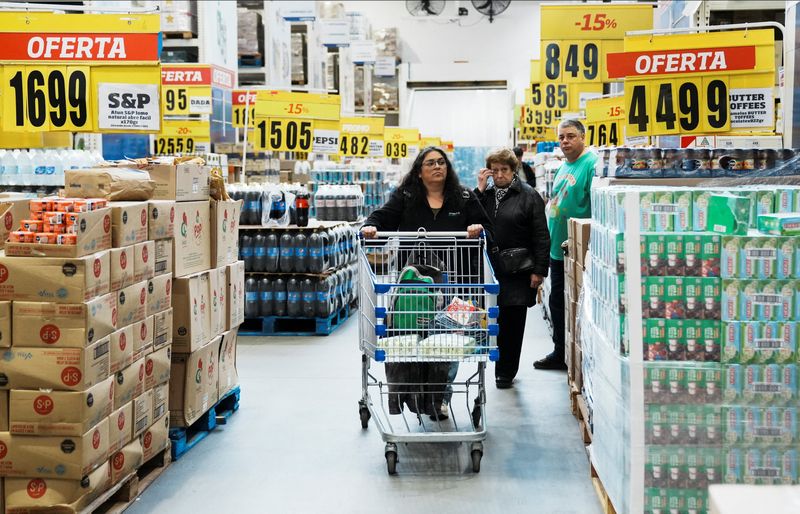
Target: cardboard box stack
x=578 y=232
x=208 y=305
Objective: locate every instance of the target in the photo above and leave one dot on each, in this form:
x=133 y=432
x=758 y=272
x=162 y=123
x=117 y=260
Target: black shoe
x=441 y=414
x=504 y=383
x=551 y=362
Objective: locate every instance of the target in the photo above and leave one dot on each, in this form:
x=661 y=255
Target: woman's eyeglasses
x=431 y=163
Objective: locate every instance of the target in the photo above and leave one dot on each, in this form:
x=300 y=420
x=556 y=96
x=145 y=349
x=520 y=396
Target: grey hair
x=577 y=125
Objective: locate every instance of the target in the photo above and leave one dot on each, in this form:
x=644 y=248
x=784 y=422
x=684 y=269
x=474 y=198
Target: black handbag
x=515 y=260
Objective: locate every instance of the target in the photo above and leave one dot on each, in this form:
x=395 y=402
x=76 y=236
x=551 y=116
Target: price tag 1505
x=284 y=135
x=46 y=98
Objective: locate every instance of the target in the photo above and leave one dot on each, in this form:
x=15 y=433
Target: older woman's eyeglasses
x=434 y=162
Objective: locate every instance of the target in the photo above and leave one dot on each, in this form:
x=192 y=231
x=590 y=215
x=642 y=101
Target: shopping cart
x=420 y=329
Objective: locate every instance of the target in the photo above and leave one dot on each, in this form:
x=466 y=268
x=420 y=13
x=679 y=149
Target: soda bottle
x=287 y=252
x=250 y=298
x=342 y=246
x=259 y=252
x=273 y=253
x=279 y=297
x=324 y=307
x=325 y=236
x=335 y=256
x=352 y=206
x=300 y=252
x=293 y=296
x=251 y=207
x=246 y=251
x=320 y=205
x=309 y=305
x=341 y=206
x=301 y=208
x=266 y=295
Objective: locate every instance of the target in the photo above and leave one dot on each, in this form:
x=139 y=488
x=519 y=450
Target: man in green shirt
x=571 y=198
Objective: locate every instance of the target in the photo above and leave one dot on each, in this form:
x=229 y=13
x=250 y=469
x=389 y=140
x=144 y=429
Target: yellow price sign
x=171 y=145
x=240 y=100
x=361 y=137
x=697 y=84
x=186 y=89
x=535 y=134
x=571 y=61
x=182 y=136
x=284 y=135
x=431 y=141
x=604 y=121
x=594 y=22
x=306 y=106
x=400 y=143
x=102 y=75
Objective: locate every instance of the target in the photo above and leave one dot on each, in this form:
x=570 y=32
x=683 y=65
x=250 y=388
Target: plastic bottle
x=287 y=252
x=309 y=304
x=293 y=297
x=314 y=258
x=9 y=164
x=259 y=252
x=301 y=208
x=300 y=252
x=352 y=207
x=325 y=236
x=25 y=167
x=341 y=205
x=250 y=298
x=279 y=297
x=246 y=251
x=273 y=253
x=265 y=296
x=252 y=199
x=324 y=298
x=342 y=246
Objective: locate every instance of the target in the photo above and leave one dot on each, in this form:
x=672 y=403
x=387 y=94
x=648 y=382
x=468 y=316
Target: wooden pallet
x=602 y=495
x=586 y=429
x=185 y=438
x=179 y=35
x=250 y=61
x=573 y=401
x=122 y=495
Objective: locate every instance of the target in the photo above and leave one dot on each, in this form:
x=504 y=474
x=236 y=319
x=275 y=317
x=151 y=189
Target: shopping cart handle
x=424 y=233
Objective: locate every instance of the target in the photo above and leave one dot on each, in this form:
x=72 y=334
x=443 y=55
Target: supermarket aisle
x=296 y=445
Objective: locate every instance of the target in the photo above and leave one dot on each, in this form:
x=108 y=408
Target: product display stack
x=691 y=357
x=578 y=232
x=87 y=376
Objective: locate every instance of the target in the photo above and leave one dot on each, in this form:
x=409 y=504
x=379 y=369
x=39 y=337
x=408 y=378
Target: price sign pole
x=708 y=83
x=80 y=72
x=400 y=143
x=361 y=137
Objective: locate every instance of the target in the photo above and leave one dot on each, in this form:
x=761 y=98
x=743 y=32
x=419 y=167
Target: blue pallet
x=251 y=61
x=293 y=326
x=184 y=439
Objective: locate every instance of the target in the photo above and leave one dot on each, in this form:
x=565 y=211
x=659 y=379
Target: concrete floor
x=296 y=445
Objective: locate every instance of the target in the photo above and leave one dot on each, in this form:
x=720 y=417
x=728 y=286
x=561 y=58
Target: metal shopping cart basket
x=427 y=303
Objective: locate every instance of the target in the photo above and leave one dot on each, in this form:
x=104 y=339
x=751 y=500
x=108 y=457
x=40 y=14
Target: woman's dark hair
x=413 y=183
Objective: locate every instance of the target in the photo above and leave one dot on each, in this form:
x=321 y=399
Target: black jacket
x=530 y=176
x=405 y=212
x=520 y=222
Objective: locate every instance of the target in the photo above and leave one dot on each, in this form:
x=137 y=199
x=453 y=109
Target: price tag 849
x=284 y=135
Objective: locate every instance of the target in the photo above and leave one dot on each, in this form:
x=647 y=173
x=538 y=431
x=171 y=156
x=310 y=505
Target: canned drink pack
x=676 y=343
x=730 y=266
x=711 y=294
x=693 y=337
x=665 y=211
x=654 y=255
x=683 y=221
x=46 y=238
x=767 y=266
x=653 y=302
x=646 y=218
x=655 y=348
x=63 y=205
x=784 y=200
x=712 y=334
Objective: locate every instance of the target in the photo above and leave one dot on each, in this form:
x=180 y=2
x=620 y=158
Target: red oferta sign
x=78 y=47
x=668 y=62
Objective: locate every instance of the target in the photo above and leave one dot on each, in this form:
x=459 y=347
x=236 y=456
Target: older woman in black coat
x=521 y=236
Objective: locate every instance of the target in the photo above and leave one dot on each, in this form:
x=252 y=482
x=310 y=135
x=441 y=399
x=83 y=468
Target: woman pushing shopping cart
x=427 y=297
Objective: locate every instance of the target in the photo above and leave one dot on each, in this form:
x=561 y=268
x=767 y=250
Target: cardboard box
x=159 y=294
x=43 y=412
x=144 y=265
x=122 y=347
x=64 y=325
x=129 y=383
x=161 y=219
x=155 y=438
x=54 y=279
x=120 y=427
x=122 y=267
x=110 y=183
x=193 y=386
x=28 y=495
x=583 y=229
x=183 y=182
x=228 y=375
x=192 y=313
x=4 y=411
x=62 y=369
x=65 y=457
x=12 y=212
x=143 y=332
x=160 y=400
x=578 y=367
x=225 y=232
x=235 y=304
x=129 y=220
x=192 y=243
x=142 y=413
x=5 y=325
x=93 y=231
x=157 y=367
x=164 y=256
x=132 y=304
x=218 y=283
x=126 y=461
x=162 y=329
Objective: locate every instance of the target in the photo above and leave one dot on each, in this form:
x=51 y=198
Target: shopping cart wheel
x=476 y=460
x=391 y=461
x=363 y=412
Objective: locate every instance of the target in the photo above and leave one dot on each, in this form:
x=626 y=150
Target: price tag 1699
x=45 y=98
x=284 y=135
